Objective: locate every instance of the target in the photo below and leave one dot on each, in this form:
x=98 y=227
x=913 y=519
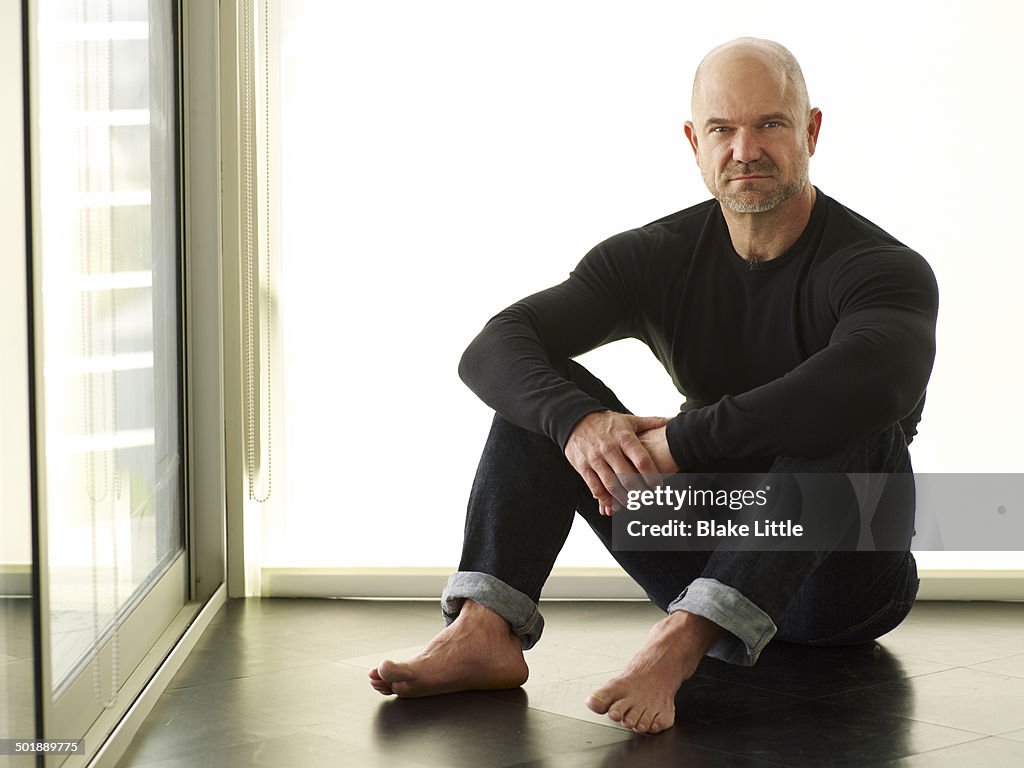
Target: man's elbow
x=471 y=362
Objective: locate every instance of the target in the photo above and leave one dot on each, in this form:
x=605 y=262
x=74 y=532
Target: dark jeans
x=521 y=509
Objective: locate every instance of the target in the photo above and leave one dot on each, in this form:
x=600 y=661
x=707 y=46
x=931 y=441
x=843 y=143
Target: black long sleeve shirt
x=798 y=356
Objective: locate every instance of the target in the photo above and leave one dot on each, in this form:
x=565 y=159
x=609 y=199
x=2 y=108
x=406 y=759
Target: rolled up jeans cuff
x=748 y=626
x=513 y=606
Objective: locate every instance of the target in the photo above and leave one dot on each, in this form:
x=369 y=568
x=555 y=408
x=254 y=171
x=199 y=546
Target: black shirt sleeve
x=872 y=373
x=518 y=362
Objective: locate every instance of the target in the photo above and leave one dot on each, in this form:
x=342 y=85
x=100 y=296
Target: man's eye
x=720 y=129
x=772 y=124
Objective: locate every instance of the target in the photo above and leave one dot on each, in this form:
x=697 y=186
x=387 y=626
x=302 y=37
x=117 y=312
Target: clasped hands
x=616 y=453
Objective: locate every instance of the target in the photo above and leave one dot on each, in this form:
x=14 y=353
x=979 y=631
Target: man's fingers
x=643 y=463
x=605 y=501
x=645 y=423
x=609 y=472
x=607 y=450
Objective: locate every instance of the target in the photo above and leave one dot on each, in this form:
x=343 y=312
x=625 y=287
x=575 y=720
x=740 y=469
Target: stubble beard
x=749 y=198
x=752 y=200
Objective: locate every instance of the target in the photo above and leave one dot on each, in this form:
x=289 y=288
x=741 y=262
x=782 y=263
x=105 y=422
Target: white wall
x=441 y=160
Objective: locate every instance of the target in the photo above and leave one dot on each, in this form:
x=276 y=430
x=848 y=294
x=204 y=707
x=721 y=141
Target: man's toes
x=643 y=723
x=633 y=718
x=597 y=703
x=379 y=684
x=393 y=671
x=625 y=712
x=405 y=690
x=661 y=722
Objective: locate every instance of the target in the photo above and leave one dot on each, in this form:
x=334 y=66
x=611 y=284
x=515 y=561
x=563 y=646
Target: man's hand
x=607 y=444
x=656 y=443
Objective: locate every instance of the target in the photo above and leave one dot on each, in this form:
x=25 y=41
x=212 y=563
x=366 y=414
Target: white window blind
x=438 y=161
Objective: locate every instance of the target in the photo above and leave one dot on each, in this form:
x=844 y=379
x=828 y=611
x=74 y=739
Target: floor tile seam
x=677 y=734
x=970 y=667
x=234 y=678
x=619 y=667
x=554 y=644
x=869 y=686
x=320 y=658
x=295 y=665
x=226 y=681
x=900 y=656
x=991 y=661
x=912 y=719
x=675 y=729
x=819 y=700
x=740 y=755
x=338 y=630
x=603 y=672
x=214 y=747
x=192 y=690
x=758 y=688
x=245 y=653
x=356 y=666
x=894 y=681
x=550 y=756
x=219 y=747
x=895 y=760
x=667 y=734
x=494 y=698
x=608 y=724
x=307 y=729
x=180 y=702
x=758 y=711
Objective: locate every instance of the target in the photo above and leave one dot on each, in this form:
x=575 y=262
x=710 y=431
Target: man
x=802 y=336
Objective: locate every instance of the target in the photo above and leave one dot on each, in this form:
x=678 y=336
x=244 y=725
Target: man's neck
x=759 y=237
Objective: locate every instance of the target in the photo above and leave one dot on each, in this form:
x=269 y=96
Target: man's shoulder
x=693 y=216
x=849 y=231
x=855 y=252
x=684 y=225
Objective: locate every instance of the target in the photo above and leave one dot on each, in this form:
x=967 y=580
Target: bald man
x=802 y=336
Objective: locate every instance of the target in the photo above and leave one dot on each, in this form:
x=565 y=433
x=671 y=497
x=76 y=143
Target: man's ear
x=813 y=128
x=691 y=136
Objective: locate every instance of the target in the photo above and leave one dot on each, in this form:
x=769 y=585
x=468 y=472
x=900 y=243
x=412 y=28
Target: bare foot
x=477 y=651
x=642 y=698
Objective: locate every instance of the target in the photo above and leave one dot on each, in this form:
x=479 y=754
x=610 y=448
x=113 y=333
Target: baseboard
x=113 y=749
x=15 y=579
x=582 y=583
x=938 y=584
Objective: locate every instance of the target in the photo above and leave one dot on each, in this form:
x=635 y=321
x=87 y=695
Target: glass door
x=107 y=258
x=17 y=607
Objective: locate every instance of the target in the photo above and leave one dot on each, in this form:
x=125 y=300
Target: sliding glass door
x=107 y=261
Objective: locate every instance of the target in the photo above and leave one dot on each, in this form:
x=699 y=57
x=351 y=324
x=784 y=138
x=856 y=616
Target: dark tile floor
x=283 y=683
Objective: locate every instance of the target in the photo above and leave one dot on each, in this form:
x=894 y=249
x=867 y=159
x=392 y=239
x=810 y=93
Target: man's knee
x=884 y=451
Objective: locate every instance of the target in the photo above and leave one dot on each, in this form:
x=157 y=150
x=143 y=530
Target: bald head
x=750 y=53
x=753 y=130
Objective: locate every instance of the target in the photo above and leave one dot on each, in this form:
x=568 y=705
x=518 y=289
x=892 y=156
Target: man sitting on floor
x=802 y=336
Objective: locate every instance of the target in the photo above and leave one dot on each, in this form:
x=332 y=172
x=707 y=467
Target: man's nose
x=745 y=146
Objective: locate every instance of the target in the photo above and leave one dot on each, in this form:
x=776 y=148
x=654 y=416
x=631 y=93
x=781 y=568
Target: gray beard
x=765 y=204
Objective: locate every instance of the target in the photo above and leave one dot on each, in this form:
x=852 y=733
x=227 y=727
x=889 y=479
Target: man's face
x=751 y=135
